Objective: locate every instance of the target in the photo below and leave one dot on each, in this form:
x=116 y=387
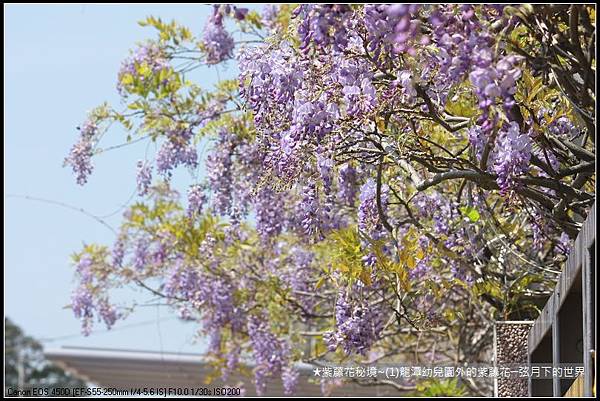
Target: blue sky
x=60 y=62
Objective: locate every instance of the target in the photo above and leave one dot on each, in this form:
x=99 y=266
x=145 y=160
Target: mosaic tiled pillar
x=510 y=348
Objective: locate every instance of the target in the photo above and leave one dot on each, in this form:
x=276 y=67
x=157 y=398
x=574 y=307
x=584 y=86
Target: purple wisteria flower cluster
x=176 y=150
x=358 y=325
x=322 y=26
x=271 y=354
x=358 y=174
x=269 y=205
x=511 y=156
x=80 y=156
x=347 y=185
x=462 y=41
x=310 y=211
x=437 y=207
x=219 y=164
x=144 y=177
x=368 y=213
x=218 y=43
x=85 y=304
x=196 y=200
x=391 y=30
x=360 y=95
x=495 y=81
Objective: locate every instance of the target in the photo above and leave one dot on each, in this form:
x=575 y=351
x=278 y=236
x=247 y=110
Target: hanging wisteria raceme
x=269 y=205
x=196 y=200
x=269 y=79
x=80 y=157
x=82 y=304
x=325 y=167
x=322 y=26
x=438 y=208
x=107 y=312
x=218 y=42
x=220 y=173
x=212 y=295
x=82 y=301
x=347 y=185
x=492 y=82
x=289 y=376
x=141 y=256
x=373 y=172
x=118 y=252
x=89 y=299
x=511 y=156
x=176 y=150
x=233 y=359
x=311 y=121
x=298 y=276
x=478 y=138
x=216 y=297
x=369 y=218
x=269 y=15
x=391 y=30
x=270 y=352
x=356 y=77
x=247 y=179
x=280 y=98
x=358 y=325
x=309 y=211
x=462 y=41
x=144 y=177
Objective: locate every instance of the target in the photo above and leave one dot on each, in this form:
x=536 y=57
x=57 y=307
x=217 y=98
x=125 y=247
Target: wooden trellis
x=564 y=333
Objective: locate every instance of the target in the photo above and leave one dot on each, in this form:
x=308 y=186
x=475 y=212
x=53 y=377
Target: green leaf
x=471 y=213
